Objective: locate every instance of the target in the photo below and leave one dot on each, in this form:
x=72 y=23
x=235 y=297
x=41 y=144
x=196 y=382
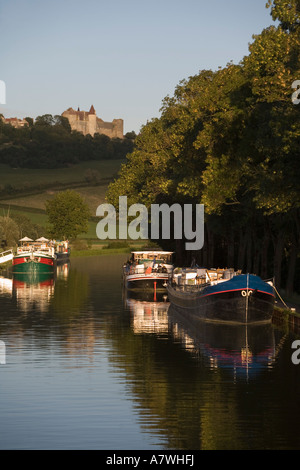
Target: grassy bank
x=84 y=247
x=286 y=320
x=99 y=252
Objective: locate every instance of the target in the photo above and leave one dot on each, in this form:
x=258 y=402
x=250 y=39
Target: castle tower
x=92 y=121
x=118 y=125
x=87 y=122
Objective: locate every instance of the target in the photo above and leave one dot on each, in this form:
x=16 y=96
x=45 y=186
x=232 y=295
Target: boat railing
x=5 y=253
x=141 y=269
x=43 y=249
x=6 y=256
x=24 y=249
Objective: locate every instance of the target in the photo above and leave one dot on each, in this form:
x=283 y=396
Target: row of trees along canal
x=49 y=142
x=230 y=139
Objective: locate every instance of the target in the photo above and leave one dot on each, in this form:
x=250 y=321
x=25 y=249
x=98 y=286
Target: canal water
x=82 y=366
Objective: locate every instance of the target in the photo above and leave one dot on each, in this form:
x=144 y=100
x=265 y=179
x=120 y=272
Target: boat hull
x=156 y=282
x=62 y=257
x=148 y=270
x=27 y=264
x=235 y=300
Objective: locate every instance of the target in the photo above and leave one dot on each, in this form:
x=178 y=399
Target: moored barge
x=62 y=250
x=222 y=295
x=34 y=257
x=148 y=270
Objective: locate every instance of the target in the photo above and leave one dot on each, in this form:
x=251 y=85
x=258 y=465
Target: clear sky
x=122 y=56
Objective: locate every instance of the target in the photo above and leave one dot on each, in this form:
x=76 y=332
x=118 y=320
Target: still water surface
x=85 y=367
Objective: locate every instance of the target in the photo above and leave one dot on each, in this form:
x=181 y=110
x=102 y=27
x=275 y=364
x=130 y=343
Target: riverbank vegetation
x=68 y=215
x=230 y=139
x=49 y=142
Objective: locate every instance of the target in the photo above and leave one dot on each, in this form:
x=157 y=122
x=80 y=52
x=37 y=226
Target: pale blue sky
x=121 y=56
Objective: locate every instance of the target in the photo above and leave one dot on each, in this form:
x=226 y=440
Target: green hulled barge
x=34 y=257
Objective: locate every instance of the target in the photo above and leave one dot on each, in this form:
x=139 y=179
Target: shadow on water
x=190 y=386
x=243 y=350
x=198 y=379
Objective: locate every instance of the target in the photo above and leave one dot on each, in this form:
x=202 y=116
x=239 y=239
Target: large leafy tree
x=68 y=215
x=230 y=139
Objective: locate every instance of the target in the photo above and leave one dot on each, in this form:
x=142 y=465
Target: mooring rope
x=281 y=298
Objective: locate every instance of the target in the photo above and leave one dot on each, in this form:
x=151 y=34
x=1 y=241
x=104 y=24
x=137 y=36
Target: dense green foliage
x=49 y=143
x=68 y=215
x=230 y=139
x=16 y=226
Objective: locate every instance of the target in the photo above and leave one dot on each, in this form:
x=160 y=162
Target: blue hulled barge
x=222 y=295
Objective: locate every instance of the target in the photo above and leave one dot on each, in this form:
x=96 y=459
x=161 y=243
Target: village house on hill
x=15 y=122
x=87 y=122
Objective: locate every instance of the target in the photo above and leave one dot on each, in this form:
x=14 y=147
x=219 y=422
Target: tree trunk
x=278 y=259
x=230 y=249
x=264 y=254
x=241 y=251
x=249 y=252
x=210 y=243
x=291 y=268
x=179 y=253
x=256 y=262
x=204 y=255
x=256 y=256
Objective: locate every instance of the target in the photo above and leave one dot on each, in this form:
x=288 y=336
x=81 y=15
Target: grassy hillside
x=43 y=184
x=72 y=174
x=93 y=196
x=38 y=185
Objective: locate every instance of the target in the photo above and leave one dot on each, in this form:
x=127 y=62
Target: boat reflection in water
x=34 y=291
x=245 y=350
x=6 y=286
x=62 y=270
x=149 y=313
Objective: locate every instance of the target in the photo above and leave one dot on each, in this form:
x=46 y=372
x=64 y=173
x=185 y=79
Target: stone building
x=87 y=122
x=15 y=122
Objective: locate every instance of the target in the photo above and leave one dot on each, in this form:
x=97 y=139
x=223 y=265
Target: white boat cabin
x=41 y=245
x=150 y=261
x=202 y=276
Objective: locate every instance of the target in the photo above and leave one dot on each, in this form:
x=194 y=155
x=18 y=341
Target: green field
x=33 y=205
x=72 y=174
x=35 y=217
x=31 y=201
x=93 y=196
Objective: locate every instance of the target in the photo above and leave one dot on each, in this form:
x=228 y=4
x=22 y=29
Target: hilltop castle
x=87 y=122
